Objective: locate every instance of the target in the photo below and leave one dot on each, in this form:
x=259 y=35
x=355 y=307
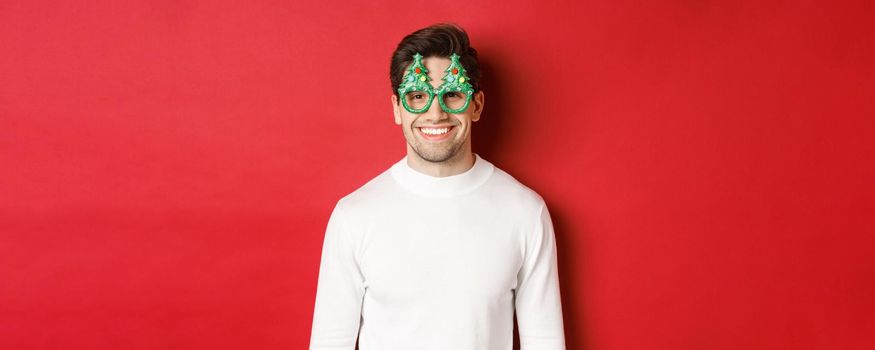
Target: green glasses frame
x=455 y=80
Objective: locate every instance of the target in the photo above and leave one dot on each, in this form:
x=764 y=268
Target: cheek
x=407 y=121
x=465 y=120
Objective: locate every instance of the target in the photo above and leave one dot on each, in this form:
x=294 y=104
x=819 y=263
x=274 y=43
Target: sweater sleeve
x=537 y=300
x=339 y=291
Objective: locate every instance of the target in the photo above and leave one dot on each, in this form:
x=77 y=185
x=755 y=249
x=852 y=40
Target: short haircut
x=441 y=40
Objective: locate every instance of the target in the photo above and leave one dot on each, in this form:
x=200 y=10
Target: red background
x=167 y=168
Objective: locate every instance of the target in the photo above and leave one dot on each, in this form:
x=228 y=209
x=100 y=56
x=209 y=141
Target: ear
x=396 y=110
x=479 y=100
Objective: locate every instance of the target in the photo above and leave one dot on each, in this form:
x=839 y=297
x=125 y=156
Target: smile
x=435 y=134
x=433 y=131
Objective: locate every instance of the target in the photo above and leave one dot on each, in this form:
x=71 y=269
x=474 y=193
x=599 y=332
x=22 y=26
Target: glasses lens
x=454 y=99
x=417 y=99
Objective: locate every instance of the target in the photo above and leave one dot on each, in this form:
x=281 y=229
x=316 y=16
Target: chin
x=439 y=156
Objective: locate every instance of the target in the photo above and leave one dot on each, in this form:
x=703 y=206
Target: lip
x=436 y=138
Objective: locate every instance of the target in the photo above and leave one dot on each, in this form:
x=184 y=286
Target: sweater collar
x=447 y=186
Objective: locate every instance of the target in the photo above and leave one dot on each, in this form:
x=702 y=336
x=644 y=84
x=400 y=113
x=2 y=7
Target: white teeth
x=432 y=131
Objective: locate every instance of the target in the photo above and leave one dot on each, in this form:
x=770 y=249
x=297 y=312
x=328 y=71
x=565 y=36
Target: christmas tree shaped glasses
x=417 y=94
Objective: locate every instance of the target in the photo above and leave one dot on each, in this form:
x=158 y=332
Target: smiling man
x=438 y=251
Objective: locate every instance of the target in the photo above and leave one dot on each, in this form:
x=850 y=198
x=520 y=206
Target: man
x=439 y=250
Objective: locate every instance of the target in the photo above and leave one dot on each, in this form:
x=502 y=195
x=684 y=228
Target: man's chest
x=406 y=260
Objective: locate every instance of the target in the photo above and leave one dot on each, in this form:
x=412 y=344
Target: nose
x=435 y=112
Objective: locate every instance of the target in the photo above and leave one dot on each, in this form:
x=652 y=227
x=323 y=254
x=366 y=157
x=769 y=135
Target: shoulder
x=509 y=199
x=376 y=193
x=510 y=190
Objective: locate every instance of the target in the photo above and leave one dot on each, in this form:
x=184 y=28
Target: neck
x=459 y=163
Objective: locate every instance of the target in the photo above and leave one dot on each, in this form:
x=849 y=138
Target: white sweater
x=416 y=262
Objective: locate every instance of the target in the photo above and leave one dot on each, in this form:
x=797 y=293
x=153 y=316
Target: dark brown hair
x=442 y=40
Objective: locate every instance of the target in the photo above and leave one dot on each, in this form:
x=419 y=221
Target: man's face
x=435 y=135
